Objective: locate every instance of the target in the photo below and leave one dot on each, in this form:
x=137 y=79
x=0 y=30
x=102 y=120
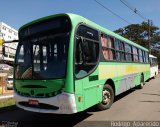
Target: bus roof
x=76 y=19
x=151 y=56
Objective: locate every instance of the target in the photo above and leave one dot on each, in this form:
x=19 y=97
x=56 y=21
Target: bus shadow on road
x=8 y=108
x=117 y=98
x=151 y=94
x=51 y=120
x=122 y=95
x=54 y=120
x=151 y=101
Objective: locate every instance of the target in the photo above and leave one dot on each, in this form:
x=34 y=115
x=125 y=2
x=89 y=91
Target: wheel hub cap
x=106 y=96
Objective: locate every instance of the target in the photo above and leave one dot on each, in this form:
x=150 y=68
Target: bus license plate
x=33 y=102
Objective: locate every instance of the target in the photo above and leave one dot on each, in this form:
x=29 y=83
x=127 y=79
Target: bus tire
x=142 y=82
x=154 y=75
x=107 y=97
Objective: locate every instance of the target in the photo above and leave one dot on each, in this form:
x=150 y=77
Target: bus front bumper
x=65 y=102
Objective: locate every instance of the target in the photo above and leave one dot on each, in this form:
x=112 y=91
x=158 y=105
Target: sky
x=16 y=13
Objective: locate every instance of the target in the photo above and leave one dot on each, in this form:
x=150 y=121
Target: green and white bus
x=153 y=66
x=65 y=64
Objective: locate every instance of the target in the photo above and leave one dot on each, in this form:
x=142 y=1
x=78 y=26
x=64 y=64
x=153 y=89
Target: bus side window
x=78 y=53
x=120 y=53
x=107 y=47
x=147 y=57
x=135 y=54
x=140 y=56
x=87 y=51
x=128 y=53
x=144 y=56
x=104 y=47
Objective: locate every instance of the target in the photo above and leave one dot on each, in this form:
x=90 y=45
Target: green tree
x=138 y=33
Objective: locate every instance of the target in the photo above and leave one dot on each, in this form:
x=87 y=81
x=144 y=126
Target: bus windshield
x=42 y=56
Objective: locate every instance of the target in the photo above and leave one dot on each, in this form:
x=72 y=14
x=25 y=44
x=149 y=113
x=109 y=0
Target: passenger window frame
x=84 y=40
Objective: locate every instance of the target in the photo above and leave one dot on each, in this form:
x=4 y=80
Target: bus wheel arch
x=108 y=94
x=111 y=83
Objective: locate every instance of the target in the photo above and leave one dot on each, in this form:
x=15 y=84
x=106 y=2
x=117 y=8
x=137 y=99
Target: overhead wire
x=112 y=12
x=133 y=9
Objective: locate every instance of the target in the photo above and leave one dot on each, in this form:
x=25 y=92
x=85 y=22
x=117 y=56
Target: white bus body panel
x=154 y=68
x=153 y=71
x=65 y=102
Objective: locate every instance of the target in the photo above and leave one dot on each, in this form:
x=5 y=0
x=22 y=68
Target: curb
x=5 y=96
x=8 y=108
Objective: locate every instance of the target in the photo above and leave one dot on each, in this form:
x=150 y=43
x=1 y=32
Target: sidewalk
x=7 y=103
x=8 y=94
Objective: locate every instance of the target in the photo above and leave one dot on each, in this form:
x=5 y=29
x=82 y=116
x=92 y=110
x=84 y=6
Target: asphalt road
x=133 y=105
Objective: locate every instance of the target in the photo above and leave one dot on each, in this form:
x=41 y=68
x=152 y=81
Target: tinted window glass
x=146 y=54
x=128 y=52
x=135 y=54
x=108 y=47
x=120 y=54
x=86 y=52
x=127 y=48
x=87 y=32
x=42 y=58
x=55 y=25
x=140 y=55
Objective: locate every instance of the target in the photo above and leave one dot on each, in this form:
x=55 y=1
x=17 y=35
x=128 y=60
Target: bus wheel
x=142 y=82
x=107 y=98
x=154 y=75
